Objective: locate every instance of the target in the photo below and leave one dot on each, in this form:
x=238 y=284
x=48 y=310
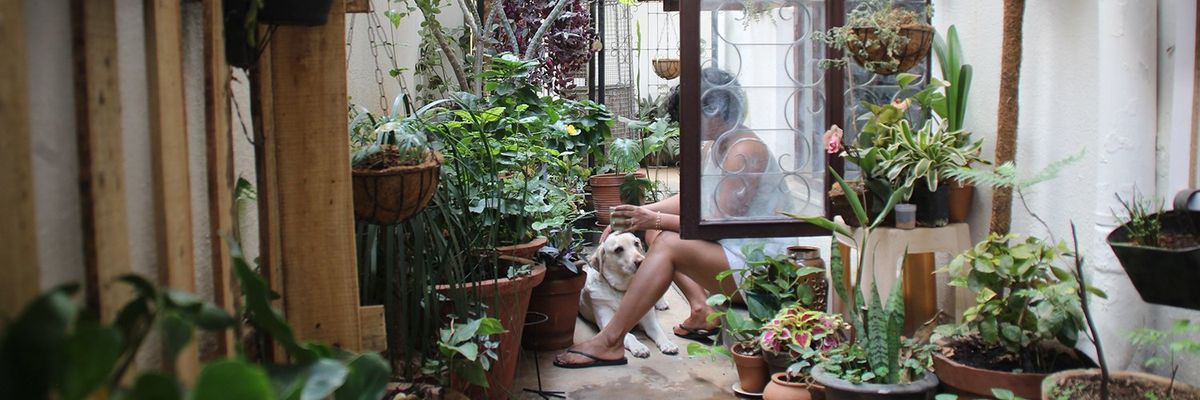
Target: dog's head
x=617 y=259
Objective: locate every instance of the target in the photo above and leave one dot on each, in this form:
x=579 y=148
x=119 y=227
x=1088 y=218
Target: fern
x=1005 y=175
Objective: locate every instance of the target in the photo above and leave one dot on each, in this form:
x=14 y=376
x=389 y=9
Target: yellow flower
x=571 y=131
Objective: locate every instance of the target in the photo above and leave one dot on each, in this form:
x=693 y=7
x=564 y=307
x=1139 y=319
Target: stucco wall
x=1061 y=114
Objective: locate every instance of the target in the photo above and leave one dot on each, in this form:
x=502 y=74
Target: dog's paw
x=636 y=348
x=662 y=305
x=668 y=347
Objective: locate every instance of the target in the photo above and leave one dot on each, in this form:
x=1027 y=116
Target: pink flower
x=833 y=140
x=901 y=104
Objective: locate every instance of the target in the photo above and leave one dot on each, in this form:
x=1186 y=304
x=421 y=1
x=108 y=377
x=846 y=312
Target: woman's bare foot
x=697 y=321
x=597 y=346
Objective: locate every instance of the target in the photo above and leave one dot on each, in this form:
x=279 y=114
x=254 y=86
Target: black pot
x=1162 y=276
x=295 y=12
x=933 y=208
x=839 y=389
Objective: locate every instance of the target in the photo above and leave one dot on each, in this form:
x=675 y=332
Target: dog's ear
x=596 y=260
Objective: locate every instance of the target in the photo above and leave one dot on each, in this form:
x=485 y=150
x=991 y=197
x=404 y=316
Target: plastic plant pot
x=906 y=216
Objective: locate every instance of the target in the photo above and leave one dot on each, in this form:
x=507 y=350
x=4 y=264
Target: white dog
x=612 y=268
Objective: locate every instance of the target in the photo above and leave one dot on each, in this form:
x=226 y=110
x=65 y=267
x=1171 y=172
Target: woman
x=739 y=161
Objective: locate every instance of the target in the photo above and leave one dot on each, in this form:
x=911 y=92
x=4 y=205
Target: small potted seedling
x=1159 y=250
x=394 y=171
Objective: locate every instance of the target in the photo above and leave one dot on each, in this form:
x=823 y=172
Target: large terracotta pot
x=1179 y=390
x=961 y=196
x=970 y=381
x=781 y=389
x=838 y=389
x=920 y=38
x=751 y=370
x=523 y=250
x=508 y=301
x=558 y=299
x=606 y=193
x=389 y=196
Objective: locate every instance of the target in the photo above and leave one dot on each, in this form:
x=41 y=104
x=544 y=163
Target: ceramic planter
x=920 y=38
x=1179 y=390
x=961 y=196
x=523 y=250
x=508 y=301
x=751 y=370
x=839 y=389
x=558 y=299
x=781 y=389
x=1162 y=276
x=970 y=381
x=392 y=195
x=606 y=193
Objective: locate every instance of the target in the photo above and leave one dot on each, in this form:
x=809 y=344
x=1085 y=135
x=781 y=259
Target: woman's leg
x=695 y=295
x=697 y=259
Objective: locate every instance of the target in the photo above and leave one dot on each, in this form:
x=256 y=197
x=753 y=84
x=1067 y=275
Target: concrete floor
x=658 y=377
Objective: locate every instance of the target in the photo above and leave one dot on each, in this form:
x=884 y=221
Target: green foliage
x=625 y=155
x=886 y=19
x=804 y=335
x=1023 y=295
x=957 y=75
x=1173 y=342
x=876 y=355
x=925 y=155
x=56 y=349
x=1005 y=175
x=381 y=142
x=468 y=349
x=1142 y=220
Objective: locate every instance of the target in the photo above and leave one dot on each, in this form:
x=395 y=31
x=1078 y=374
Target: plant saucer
x=742 y=394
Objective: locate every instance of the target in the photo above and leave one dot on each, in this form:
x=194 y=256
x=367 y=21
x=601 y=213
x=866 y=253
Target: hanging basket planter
x=666 y=68
x=871 y=52
x=1163 y=275
x=392 y=195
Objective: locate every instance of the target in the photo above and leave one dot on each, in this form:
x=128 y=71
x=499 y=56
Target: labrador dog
x=612 y=267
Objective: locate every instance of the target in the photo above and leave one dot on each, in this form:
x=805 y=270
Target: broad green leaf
x=32 y=346
x=323 y=377
x=232 y=380
x=367 y=379
x=156 y=386
x=895 y=327
x=213 y=318
x=472 y=372
x=489 y=326
x=91 y=355
x=176 y=333
x=717 y=300
x=823 y=223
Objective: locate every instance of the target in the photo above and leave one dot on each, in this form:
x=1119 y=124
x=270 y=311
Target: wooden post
x=304 y=180
x=1006 y=129
x=219 y=151
x=101 y=163
x=18 y=238
x=169 y=150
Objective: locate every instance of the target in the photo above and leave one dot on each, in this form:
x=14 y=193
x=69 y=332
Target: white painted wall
x=1080 y=88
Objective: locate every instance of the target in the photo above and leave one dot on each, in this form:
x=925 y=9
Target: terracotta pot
x=1180 y=390
x=780 y=389
x=961 y=196
x=524 y=250
x=508 y=301
x=838 y=389
x=558 y=299
x=751 y=370
x=970 y=381
x=920 y=37
x=606 y=193
x=389 y=196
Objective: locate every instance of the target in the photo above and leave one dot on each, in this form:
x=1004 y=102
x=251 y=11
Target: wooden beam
x=374 y=332
x=169 y=153
x=18 y=238
x=305 y=194
x=101 y=163
x=219 y=151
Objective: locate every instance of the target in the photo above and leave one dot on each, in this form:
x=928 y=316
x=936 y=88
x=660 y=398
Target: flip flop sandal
x=596 y=361
x=697 y=334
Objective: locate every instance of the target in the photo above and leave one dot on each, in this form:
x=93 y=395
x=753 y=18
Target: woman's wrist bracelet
x=658 y=221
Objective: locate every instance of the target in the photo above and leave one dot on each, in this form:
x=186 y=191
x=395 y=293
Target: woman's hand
x=628 y=218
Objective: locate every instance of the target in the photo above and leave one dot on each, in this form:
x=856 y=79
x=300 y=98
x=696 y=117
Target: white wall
x=1061 y=98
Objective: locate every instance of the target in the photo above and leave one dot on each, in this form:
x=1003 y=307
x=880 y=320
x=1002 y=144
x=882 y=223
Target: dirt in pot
x=1172 y=240
x=388 y=157
x=748 y=349
x=972 y=352
x=1119 y=387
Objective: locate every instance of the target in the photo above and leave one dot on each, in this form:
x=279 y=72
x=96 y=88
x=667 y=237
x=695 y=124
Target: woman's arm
x=669 y=205
x=746 y=160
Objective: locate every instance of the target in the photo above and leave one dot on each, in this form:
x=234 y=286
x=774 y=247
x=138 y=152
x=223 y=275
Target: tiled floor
x=658 y=377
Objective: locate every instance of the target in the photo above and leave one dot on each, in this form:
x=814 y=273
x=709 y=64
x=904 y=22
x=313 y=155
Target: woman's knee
x=664 y=241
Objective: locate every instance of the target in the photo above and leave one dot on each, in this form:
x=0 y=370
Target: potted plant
x=394 y=171
x=1160 y=251
x=881 y=36
x=1024 y=324
x=957 y=76
x=917 y=161
x=626 y=184
x=876 y=362
x=1104 y=384
x=798 y=339
x=558 y=295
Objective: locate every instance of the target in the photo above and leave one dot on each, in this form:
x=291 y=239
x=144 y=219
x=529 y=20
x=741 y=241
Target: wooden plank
x=101 y=163
x=304 y=176
x=18 y=237
x=219 y=155
x=374 y=332
x=169 y=153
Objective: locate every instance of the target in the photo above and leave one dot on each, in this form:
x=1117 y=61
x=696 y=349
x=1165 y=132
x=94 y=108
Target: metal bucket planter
x=389 y=196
